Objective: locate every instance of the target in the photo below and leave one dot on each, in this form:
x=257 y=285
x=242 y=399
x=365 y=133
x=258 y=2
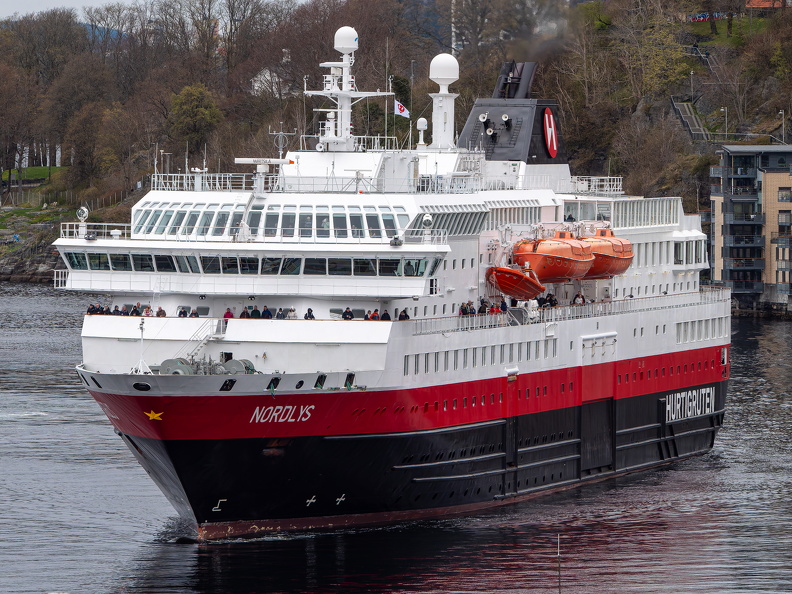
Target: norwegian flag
x=399 y=109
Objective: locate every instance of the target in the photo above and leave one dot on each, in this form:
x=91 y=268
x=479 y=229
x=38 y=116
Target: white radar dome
x=422 y=124
x=346 y=40
x=444 y=70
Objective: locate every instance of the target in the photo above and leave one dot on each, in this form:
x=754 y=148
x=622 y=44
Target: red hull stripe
x=410 y=409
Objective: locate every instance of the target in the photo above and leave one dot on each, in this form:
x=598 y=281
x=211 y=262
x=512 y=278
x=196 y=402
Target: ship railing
x=202 y=182
x=90 y=231
x=460 y=323
x=583 y=184
x=517 y=316
x=211 y=328
x=61 y=278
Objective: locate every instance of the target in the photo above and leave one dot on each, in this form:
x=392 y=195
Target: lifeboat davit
x=612 y=255
x=520 y=284
x=555 y=260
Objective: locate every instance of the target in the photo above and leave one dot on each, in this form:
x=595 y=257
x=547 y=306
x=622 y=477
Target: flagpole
x=386 y=96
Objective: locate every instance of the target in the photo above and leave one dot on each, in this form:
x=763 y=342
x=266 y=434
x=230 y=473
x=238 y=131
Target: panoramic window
x=210 y=264
x=270 y=265
x=120 y=262
x=248 y=265
x=153 y=220
x=339 y=266
x=220 y=223
x=98 y=261
x=177 y=221
x=230 y=265
x=143 y=262
x=315 y=266
x=206 y=222
x=291 y=266
x=365 y=267
x=271 y=224
x=164 y=263
x=189 y=226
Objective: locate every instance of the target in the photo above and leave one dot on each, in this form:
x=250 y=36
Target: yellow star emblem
x=154 y=416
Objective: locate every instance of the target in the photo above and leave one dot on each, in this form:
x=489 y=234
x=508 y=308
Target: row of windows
x=253 y=265
x=640 y=291
x=702 y=330
x=646 y=212
x=440 y=361
x=284 y=221
x=637 y=376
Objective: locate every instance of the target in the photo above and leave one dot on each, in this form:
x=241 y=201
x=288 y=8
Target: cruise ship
x=361 y=332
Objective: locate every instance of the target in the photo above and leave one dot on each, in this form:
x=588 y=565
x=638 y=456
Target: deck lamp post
x=783 y=126
x=726 y=127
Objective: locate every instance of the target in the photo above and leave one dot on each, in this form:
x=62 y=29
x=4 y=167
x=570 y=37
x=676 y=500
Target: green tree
x=194 y=115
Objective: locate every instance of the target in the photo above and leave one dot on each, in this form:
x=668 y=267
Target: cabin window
x=389 y=223
x=248 y=265
x=177 y=221
x=206 y=223
x=142 y=263
x=99 y=261
x=287 y=224
x=356 y=222
x=189 y=226
x=315 y=266
x=372 y=220
x=306 y=224
x=153 y=221
x=270 y=265
x=164 y=222
x=236 y=220
x=291 y=266
x=210 y=264
x=253 y=222
x=323 y=224
x=271 y=224
x=120 y=262
x=142 y=220
x=339 y=224
x=220 y=223
x=164 y=263
x=339 y=266
x=365 y=267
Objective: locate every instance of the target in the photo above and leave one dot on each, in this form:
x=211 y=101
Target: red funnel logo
x=550 y=133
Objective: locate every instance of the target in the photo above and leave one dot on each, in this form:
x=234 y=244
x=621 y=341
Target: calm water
x=80 y=516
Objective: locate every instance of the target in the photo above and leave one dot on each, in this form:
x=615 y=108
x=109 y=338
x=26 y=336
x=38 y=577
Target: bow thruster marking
x=217 y=507
x=308 y=502
x=340 y=499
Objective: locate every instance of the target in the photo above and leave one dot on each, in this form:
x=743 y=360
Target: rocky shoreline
x=32 y=262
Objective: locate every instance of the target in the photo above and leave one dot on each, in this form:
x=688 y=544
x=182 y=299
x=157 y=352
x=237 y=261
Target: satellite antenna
x=82 y=213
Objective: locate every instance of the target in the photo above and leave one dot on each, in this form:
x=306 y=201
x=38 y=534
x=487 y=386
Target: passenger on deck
x=385 y=317
x=228 y=314
x=464 y=310
x=292 y=315
x=550 y=301
x=484 y=307
x=135 y=310
x=375 y=316
x=495 y=309
x=347 y=315
x=161 y=312
x=503 y=306
x=280 y=315
x=147 y=312
x=182 y=312
x=255 y=314
x=116 y=311
x=245 y=313
x=404 y=315
x=367 y=317
x=194 y=313
x=266 y=314
x=409 y=269
x=579 y=299
x=309 y=315
x=91 y=308
x=124 y=311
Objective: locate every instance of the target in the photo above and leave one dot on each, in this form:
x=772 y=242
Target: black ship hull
x=241 y=487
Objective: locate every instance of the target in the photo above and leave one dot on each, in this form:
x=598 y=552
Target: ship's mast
x=339 y=87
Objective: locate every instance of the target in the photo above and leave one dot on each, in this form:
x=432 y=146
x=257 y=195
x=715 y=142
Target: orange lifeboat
x=520 y=284
x=612 y=255
x=555 y=260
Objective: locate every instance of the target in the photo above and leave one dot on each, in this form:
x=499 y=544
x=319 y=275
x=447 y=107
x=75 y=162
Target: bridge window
x=389 y=223
x=188 y=264
x=365 y=267
x=164 y=263
x=306 y=223
x=339 y=266
x=153 y=221
x=164 y=222
x=291 y=266
x=322 y=222
x=210 y=264
x=339 y=222
x=270 y=265
x=254 y=220
x=142 y=220
x=177 y=221
x=356 y=221
x=372 y=220
x=230 y=265
x=248 y=265
x=220 y=223
x=206 y=222
x=120 y=262
x=271 y=224
x=388 y=267
x=189 y=226
x=236 y=220
x=142 y=263
x=99 y=261
x=289 y=219
x=315 y=266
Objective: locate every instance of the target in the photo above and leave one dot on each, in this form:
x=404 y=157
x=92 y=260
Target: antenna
x=281 y=139
x=142 y=368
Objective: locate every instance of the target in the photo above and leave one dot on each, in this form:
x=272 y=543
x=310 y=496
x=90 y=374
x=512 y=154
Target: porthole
x=140 y=386
x=299 y=385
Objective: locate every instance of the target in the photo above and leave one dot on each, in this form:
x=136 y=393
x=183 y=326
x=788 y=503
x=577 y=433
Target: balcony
x=706 y=216
x=743 y=219
x=744 y=263
x=743 y=240
x=733 y=172
x=784 y=265
x=745 y=286
x=781 y=239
